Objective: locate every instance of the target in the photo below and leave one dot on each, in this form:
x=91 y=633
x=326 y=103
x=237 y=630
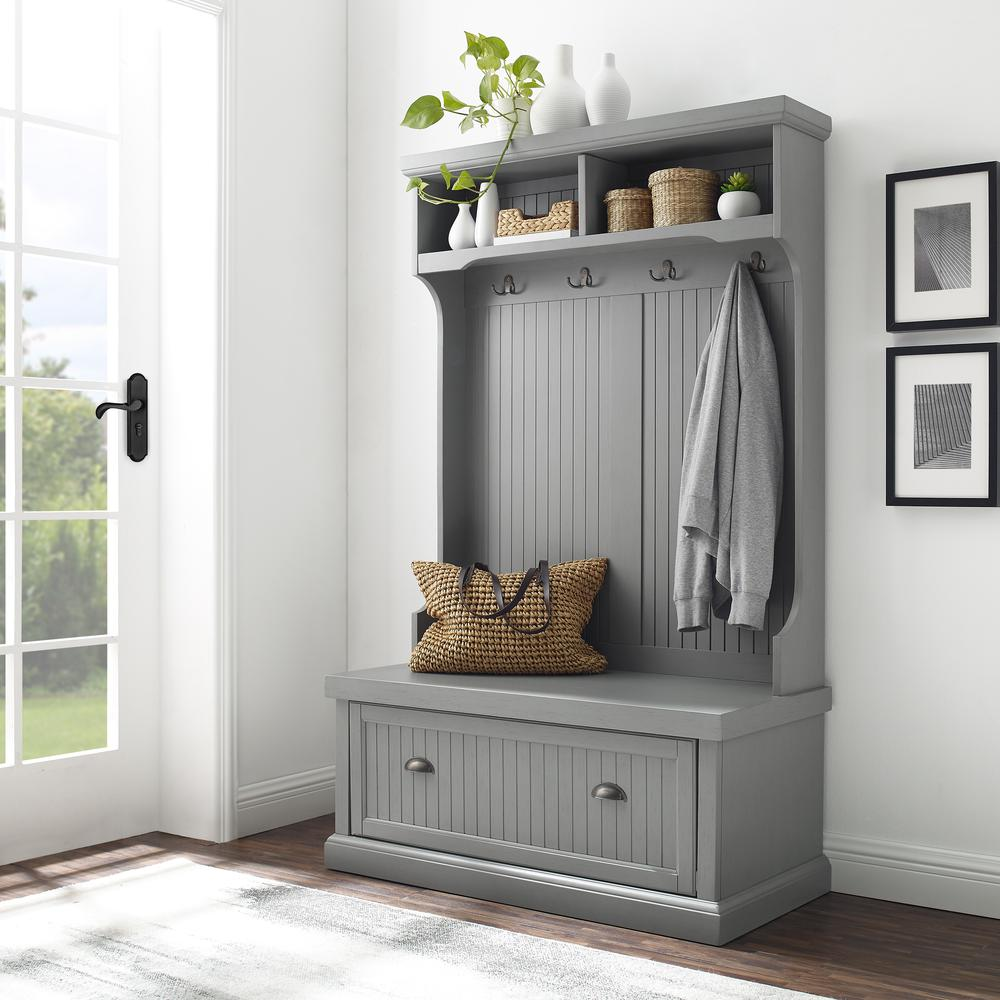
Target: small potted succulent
x=738 y=197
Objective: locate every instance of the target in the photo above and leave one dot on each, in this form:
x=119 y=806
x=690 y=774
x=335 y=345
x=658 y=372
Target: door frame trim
x=228 y=781
x=225 y=12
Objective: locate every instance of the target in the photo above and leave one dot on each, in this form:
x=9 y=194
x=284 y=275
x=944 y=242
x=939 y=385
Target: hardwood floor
x=838 y=946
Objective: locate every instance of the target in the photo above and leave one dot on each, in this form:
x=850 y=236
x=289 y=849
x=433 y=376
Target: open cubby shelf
x=584 y=164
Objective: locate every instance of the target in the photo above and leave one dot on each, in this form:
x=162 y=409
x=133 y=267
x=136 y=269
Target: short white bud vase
x=462 y=235
x=506 y=105
x=560 y=103
x=608 y=96
x=738 y=204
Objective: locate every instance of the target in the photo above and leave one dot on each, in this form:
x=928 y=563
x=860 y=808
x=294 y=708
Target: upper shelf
x=719 y=231
x=680 y=134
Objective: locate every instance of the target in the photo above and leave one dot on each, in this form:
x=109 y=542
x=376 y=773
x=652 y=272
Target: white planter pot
x=501 y=126
x=560 y=103
x=487 y=210
x=462 y=235
x=608 y=96
x=738 y=204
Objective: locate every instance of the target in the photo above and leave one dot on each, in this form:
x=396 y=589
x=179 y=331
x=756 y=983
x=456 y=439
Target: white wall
x=913 y=743
x=287 y=378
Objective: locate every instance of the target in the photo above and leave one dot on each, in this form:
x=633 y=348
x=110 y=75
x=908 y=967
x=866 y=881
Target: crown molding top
x=744 y=124
x=209 y=6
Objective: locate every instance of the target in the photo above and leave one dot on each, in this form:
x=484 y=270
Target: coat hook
x=667 y=270
x=586 y=280
x=508 y=286
x=757 y=262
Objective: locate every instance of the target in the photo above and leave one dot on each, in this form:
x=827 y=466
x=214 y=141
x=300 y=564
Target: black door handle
x=132 y=407
x=137 y=398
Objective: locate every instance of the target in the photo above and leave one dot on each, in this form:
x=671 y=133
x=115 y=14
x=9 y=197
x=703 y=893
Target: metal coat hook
x=508 y=286
x=667 y=270
x=586 y=279
x=757 y=262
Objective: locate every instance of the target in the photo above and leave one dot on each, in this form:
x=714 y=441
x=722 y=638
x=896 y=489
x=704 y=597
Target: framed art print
x=941 y=426
x=941 y=248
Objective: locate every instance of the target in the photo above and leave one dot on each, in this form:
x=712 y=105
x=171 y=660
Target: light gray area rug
x=179 y=930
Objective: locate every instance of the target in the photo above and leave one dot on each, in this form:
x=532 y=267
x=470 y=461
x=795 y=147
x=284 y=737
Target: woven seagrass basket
x=629 y=208
x=562 y=215
x=683 y=194
x=541 y=635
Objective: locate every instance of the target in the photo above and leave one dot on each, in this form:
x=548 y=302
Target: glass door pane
x=65 y=701
x=70 y=61
x=69 y=183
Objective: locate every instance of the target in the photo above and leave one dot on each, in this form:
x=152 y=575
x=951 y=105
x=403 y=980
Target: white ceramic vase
x=738 y=204
x=462 y=235
x=608 y=96
x=501 y=126
x=561 y=102
x=487 y=210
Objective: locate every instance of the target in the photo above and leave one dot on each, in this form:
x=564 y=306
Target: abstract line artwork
x=942 y=426
x=942 y=247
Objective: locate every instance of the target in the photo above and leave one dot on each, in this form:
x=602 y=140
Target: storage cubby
x=536 y=197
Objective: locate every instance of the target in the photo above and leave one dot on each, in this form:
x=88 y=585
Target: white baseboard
x=921 y=876
x=265 y=805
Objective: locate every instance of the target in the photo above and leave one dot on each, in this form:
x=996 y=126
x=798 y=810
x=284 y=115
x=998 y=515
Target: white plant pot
x=462 y=235
x=561 y=102
x=738 y=204
x=608 y=96
x=501 y=126
x=487 y=211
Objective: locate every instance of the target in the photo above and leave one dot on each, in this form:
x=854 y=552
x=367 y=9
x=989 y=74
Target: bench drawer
x=524 y=794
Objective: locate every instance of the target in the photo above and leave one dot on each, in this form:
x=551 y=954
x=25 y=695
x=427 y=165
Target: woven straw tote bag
x=508 y=623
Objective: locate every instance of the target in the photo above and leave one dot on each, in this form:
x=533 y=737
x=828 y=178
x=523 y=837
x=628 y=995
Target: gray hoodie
x=730 y=496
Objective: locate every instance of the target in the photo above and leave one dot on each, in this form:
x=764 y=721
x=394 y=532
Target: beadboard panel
x=529 y=787
x=577 y=413
x=536 y=197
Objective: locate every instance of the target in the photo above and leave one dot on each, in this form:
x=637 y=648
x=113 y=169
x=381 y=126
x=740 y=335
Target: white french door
x=79 y=268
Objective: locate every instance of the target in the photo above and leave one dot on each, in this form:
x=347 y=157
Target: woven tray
x=562 y=215
x=683 y=194
x=629 y=208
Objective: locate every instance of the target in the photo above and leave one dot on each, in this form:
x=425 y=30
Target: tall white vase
x=462 y=235
x=608 y=96
x=560 y=103
x=487 y=210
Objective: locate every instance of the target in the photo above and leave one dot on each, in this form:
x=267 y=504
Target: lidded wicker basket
x=629 y=208
x=561 y=215
x=683 y=194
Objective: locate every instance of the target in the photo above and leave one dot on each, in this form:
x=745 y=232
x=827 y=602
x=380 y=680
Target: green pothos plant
x=503 y=82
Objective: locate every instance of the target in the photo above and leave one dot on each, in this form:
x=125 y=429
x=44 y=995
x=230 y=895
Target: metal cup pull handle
x=419 y=764
x=609 y=790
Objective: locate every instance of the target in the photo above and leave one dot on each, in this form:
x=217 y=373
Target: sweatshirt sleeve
x=757 y=485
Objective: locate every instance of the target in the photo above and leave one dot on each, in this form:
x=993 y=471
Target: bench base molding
x=695 y=919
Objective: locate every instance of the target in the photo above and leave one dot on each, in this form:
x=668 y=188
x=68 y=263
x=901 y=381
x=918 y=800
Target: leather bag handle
x=538 y=574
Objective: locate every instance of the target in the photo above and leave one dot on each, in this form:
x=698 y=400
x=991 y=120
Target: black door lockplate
x=136 y=407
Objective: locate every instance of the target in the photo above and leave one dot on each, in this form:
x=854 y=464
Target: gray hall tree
x=560 y=429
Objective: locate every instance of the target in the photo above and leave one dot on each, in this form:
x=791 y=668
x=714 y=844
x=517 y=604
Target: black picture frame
x=990 y=168
x=891 y=498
